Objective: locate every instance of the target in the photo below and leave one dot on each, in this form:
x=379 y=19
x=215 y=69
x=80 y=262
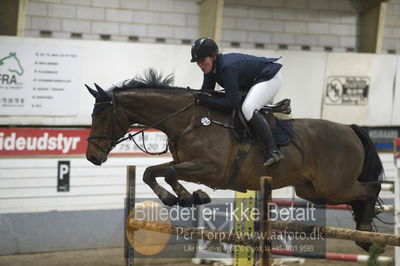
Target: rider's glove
x=202 y=99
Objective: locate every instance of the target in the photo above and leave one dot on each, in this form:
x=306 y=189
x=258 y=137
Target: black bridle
x=115 y=141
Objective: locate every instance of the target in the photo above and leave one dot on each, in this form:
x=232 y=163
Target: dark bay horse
x=326 y=162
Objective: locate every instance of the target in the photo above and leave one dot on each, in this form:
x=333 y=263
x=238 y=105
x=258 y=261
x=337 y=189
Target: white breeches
x=261 y=94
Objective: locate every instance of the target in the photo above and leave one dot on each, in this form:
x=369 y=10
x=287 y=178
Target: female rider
x=259 y=76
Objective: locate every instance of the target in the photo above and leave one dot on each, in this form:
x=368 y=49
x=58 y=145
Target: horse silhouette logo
x=12 y=64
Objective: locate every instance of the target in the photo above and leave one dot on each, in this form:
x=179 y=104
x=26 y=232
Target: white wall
x=29 y=185
x=305 y=74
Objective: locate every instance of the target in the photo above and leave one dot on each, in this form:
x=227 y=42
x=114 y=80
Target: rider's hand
x=202 y=99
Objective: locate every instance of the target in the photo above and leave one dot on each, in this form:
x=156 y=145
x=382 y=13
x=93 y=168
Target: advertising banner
x=39 y=80
x=62 y=142
x=359 y=89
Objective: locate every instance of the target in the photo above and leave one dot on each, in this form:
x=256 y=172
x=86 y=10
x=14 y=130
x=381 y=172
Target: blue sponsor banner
x=383 y=137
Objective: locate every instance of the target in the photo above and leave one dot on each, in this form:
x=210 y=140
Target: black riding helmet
x=203 y=47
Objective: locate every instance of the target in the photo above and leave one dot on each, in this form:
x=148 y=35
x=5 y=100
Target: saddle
x=282 y=129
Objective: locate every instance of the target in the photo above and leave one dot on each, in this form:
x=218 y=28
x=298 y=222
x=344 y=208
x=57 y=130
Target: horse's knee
x=147 y=175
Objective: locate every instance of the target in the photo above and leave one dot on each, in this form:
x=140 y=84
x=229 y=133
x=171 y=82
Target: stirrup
x=274 y=158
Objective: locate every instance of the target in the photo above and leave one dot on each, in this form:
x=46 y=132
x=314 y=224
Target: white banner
x=359 y=89
x=39 y=80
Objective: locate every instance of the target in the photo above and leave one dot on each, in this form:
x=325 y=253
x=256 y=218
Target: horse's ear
x=92 y=91
x=100 y=90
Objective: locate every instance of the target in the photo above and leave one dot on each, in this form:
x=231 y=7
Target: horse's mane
x=151 y=80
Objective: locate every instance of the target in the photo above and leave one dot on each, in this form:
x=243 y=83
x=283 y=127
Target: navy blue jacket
x=235 y=72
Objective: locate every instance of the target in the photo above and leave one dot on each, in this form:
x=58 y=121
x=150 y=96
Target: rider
x=259 y=76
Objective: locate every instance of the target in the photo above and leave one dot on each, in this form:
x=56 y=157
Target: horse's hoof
x=169 y=200
x=186 y=201
x=200 y=197
x=364 y=245
x=367 y=228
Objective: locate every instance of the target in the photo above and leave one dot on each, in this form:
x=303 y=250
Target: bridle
x=114 y=121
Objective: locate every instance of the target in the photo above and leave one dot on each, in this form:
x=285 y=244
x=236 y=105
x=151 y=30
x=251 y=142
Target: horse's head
x=107 y=125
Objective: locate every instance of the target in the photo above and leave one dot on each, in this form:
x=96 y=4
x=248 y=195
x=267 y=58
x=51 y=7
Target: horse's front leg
x=149 y=177
x=190 y=168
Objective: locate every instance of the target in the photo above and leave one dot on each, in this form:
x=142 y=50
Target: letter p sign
x=63 y=176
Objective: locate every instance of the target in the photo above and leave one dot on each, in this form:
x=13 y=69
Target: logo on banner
x=10 y=68
x=347 y=90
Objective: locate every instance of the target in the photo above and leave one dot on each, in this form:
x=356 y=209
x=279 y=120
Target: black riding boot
x=260 y=126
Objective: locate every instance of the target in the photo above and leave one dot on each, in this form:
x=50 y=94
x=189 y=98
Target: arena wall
x=108 y=63
x=315 y=25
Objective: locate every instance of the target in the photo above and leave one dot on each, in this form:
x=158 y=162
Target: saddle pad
x=283 y=132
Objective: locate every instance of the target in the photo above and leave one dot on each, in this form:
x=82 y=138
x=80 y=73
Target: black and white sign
x=63 y=174
x=39 y=80
x=342 y=90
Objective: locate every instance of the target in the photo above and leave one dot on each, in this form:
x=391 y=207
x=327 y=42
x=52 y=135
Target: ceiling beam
x=372 y=22
x=367 y=5
x=210 y=19
x=12 y=17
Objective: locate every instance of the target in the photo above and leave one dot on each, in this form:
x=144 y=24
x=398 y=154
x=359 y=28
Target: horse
x=325 y=162
x=12 y=64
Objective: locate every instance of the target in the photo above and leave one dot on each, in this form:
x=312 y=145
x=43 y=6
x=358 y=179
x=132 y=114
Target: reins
x=131 y=136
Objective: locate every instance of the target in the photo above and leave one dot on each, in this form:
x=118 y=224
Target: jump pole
x=230 y=238
x=301 y=203
x=339 y=233
x=329 y=256
x=193 y=232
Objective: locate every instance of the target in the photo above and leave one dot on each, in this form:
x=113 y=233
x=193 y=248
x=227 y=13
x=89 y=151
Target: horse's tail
x=372 y=168
x=372 y=173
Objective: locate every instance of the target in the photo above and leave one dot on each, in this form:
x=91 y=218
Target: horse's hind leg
x=364 y=210
x=307 y=191
x=362 y=196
